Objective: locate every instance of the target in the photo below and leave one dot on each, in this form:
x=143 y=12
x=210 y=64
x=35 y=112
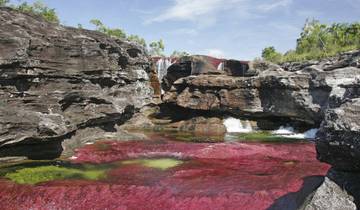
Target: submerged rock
x=56 y=80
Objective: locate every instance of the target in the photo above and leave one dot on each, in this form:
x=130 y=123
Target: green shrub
x=317 y=41
x=39 y=8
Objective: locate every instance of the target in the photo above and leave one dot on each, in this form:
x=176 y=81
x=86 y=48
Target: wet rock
x=55 y=81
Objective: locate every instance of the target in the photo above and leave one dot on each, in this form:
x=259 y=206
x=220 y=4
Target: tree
x=4 y=2
x=270 y=54
x=157 y=48
x=319 y=40
x=116 y=32
x=137 y=39
x=179 y=54
x=39 y=8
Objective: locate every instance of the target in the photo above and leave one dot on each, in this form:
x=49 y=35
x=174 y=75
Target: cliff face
x=56 y=81
x=296 y=93
x=323 y=94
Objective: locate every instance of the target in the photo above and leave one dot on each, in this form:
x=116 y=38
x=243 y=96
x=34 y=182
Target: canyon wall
x=58 y=83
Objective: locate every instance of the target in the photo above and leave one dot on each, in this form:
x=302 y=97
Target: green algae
x=40 y=174
x=34 y=172
x=162 y=163
x=196 y=138
x=261 y=136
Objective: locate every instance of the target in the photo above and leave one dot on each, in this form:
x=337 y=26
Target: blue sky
x=237 y=29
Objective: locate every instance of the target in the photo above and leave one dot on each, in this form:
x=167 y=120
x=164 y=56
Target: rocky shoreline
x=61 y=87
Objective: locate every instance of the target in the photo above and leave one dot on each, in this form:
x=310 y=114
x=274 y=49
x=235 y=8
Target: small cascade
x=221 y=66
x=289 y=132
x=284 y=130
x=234 y=125
x=162 y=65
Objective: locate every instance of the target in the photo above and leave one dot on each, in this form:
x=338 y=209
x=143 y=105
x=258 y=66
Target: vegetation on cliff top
x=155 y=48
x=37 y=8
x=318 y=40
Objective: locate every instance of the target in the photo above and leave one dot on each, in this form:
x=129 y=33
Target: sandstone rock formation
x=56 y=81
x=323 y=94
x=266 y=92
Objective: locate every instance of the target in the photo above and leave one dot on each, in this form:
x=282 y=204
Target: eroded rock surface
x=55 y=81
x=331 y=196
x=264 y=91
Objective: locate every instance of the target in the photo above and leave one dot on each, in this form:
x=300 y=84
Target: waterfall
x=289 y=132
x=221 y=66
x=236 y=126
x=161 y=67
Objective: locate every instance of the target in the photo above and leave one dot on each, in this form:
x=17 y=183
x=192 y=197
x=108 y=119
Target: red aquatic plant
x=212 y=176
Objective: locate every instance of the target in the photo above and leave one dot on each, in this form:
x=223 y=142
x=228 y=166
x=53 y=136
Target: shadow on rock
x=348 y=181
x=44 y=151
x=293 y=201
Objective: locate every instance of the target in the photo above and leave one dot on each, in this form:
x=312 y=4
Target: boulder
x=56 y=80
x=330 y=196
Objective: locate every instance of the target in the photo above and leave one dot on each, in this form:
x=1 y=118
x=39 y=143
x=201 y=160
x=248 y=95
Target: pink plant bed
x=213 y=176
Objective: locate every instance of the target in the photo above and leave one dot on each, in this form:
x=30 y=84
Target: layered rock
x=56 y=81
x=263 y=91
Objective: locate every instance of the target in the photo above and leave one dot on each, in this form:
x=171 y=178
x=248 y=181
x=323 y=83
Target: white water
x=236 y=126
x=221 y=66
x=162 y=66
x=289 y=132
x=284 y=130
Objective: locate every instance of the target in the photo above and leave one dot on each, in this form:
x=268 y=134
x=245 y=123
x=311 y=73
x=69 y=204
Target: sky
x=237 y=29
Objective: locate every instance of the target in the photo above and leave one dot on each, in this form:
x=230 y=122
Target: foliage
x=4 y=2
x=137 y=39
x=39 y=8
x=178 y=54
x=319 y=40
x=40 y=174
x=115 y=32
x=156 y=48
x=270 y=54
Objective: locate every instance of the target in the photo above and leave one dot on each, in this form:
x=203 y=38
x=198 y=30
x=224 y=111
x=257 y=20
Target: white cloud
x=206 y=12
x=215 y=53
x=185 y=31
x=274 y=5
x=308 y=13
x=189 y=10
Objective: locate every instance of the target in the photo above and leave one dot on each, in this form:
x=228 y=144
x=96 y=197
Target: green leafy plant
x=4 y=2
x=179 y=54
x=317 y=41
x=38 y=8
x=157 y=48
x=270 y=54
